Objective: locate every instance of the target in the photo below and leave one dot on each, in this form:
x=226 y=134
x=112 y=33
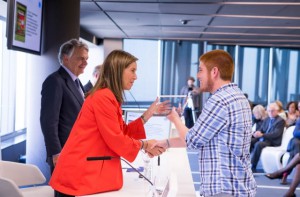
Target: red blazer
x=98 y=131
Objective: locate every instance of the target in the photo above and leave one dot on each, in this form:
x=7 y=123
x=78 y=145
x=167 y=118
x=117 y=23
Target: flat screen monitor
x=157 y=127
x=24 y=25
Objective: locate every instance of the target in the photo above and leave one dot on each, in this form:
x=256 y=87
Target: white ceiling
x=251 y=23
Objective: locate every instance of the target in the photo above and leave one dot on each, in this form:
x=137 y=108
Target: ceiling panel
x=189 y=9
x=130 y=7
x=260 y=23
x=192 y=21
x=261 y=10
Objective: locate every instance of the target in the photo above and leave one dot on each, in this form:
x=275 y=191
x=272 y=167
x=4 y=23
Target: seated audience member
x=298 y=109
x=259 y=113
x=295 y=163
x=281 y=112
x=292 y=113
x=293 y=147
x=270 y=134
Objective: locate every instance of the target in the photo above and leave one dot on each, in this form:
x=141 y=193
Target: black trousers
x=188 y=117
x=258 y=147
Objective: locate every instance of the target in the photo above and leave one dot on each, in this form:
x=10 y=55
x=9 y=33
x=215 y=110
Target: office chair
x=22 y=180
x=271 y=156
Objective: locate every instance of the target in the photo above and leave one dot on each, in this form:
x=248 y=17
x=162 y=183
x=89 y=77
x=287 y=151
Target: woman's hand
x=162 y=108
x=158 y=108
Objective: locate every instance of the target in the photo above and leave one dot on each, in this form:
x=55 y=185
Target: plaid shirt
x=222 y=134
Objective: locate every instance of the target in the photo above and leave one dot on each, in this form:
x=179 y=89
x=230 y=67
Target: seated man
x=270 y=134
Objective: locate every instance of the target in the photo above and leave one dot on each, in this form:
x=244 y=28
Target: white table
x=173 y=162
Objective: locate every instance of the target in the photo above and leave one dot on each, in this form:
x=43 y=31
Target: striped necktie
x=270 y=125
x=269 y=128
x=78 y=87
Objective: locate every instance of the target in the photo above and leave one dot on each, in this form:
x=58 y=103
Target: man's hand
x=173 y=115
x=54 y=159
x=163 y=144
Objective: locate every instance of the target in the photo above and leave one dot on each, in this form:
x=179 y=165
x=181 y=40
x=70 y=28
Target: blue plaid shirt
x=222 y=134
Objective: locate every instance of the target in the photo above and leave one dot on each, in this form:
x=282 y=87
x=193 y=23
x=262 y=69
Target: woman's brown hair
x=111 y=73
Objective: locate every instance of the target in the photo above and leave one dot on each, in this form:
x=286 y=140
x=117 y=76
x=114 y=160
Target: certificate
x=157 y=127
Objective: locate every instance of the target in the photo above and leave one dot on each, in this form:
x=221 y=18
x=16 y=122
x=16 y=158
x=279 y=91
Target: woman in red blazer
x=100 y=131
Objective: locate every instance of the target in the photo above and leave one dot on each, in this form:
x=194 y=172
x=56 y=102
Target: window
x=253 y=73
x=145 y=88
x=13 y=89
x=285 y=75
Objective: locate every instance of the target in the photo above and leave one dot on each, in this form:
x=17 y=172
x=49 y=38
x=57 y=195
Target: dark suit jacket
x=88 y=86
x=60 y=105
x=274 y=136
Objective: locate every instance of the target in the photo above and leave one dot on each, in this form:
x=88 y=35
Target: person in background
x=292 y=113
x=191 y=101
x=222 y=133
x=270 y=134
x=250 y=102
x=259 y=113
x=281 y=112
x=62 y=98
x=100 y=131
x=293 y=164
x=95 y=75
x=298 y=107
x=293 y=148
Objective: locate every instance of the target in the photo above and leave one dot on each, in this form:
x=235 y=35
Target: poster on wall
x=24 y=32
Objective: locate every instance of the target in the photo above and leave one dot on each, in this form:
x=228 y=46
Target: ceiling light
x=184 y=22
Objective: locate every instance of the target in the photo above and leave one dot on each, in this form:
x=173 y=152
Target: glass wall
x=179 y=61
x=265 y=74
x=13 y=89
x=253 y=73
x=285 y=75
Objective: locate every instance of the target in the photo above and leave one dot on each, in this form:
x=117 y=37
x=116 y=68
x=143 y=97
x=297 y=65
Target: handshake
x=155 y=147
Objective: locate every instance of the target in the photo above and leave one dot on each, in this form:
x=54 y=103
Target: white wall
x=112 y=44
x=3 y=9
x=38 y=70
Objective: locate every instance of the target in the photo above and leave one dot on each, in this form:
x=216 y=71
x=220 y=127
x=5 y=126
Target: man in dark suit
x=62 y=98
x=90 y=84
x=270 y=135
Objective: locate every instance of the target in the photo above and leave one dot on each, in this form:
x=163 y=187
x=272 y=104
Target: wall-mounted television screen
x=24 y=25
